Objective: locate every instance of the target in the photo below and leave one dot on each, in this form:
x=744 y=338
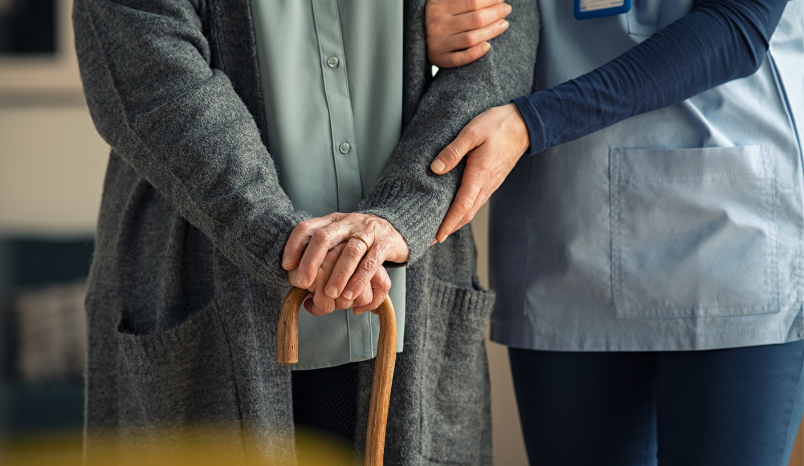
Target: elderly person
x=646 y=236
x=231 y=123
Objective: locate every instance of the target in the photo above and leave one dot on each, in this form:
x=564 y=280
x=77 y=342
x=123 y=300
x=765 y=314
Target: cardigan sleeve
x=409 y=195
x=179 y=123
x=720 y=40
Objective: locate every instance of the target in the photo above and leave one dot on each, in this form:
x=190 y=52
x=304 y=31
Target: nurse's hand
x=494 y=142
x=458 y=31
x=368 y=242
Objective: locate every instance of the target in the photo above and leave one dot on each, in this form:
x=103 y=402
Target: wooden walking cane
x=287 y=352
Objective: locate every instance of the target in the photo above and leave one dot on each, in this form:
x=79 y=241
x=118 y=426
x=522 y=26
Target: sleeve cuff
x=264 y=245
x=533 y=121
x=409 y=212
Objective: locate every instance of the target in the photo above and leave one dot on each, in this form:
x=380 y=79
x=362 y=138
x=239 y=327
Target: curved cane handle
x=287 y=334
x=287 y=352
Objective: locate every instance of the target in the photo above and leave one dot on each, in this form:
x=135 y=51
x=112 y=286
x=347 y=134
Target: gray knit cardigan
x=186 y=281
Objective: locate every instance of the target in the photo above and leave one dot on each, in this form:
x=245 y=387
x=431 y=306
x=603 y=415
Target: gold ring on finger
x=363 y=240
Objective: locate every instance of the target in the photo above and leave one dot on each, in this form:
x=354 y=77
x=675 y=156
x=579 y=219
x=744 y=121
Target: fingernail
x=332 y=292
x=438 y=166
x=301 y=280
x=508 y=8
x=504 y=25
x=348 y=295
x=286 y=261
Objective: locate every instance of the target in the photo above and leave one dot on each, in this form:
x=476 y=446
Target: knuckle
x=468 y=39
x=374 y=224
x=340 y=277
x=476 y=20
x=382 y=247
x=474 y=53
x=321 y=236
x=485 y=167
x=359 y=283
x=385 y=284
x=306 y=262
x=369 y=264
x=312 y=272
x=305 y=228
x=352 y=217
x=489 y=15
x=353 y=249
x=473 y=4
x=466 y=205
x=453 y=153
x=452 y=61
x=473 y=131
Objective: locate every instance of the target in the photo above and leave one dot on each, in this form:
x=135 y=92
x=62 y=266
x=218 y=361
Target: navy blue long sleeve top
x=720 y=40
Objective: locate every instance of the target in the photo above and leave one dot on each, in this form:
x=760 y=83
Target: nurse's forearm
x=719 y=41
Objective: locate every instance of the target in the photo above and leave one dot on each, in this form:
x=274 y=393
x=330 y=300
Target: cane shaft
x=381 y=386
x=287 y=352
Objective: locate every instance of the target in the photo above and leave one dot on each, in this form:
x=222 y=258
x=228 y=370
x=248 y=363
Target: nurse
x=647 y=234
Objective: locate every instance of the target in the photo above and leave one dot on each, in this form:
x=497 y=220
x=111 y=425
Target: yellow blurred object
x=196 y=447
x=52 y=449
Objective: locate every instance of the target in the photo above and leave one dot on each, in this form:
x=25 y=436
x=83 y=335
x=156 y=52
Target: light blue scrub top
x=679 y=229
x=332 y=79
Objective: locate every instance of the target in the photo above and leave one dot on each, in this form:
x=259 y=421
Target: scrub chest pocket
x=693 y=232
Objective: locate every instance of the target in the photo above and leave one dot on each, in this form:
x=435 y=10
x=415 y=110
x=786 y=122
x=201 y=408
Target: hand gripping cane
x=287 y=352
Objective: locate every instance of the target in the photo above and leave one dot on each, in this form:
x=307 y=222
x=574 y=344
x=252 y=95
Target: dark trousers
x=727 y=407
x=325 y=402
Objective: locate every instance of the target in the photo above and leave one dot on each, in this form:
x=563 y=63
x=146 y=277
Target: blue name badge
x=588 y=9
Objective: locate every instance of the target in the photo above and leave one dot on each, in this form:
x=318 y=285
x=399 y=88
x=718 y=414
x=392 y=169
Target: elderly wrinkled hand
x=339 y=258
x=458 y=31
x=318 y=304
x=494 y=142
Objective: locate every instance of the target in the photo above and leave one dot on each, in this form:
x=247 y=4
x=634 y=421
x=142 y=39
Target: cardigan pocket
x=182 y=376
x=456 y=404
x=693 y=232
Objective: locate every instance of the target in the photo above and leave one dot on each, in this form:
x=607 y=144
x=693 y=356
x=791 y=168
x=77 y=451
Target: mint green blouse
x=332 y=79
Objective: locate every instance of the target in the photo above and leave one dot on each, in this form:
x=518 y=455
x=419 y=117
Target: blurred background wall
x=52 y=163
x=51 y=168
